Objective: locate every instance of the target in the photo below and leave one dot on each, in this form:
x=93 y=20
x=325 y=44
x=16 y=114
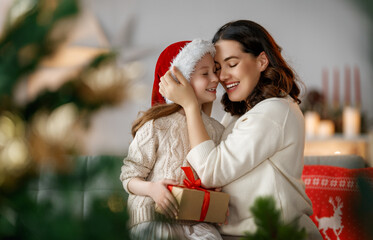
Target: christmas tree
x=45 y=130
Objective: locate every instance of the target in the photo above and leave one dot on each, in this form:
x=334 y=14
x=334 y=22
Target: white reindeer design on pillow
x=334 y=222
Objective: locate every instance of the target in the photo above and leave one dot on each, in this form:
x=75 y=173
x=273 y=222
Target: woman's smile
x=230 y=87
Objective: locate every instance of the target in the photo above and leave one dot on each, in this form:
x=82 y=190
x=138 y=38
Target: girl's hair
x=278 y=80
x=153 y=113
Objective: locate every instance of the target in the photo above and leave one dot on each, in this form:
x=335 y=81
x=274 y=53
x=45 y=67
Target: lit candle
x=336 y=88
x=326 y=128
x=351 y=121
x=312 y=120
x=347 y=86
x=357 y=87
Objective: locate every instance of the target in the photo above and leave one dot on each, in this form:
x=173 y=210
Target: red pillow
x=335 y=197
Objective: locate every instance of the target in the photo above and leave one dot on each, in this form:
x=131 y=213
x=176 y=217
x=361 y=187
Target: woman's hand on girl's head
x=181 y=93
x=163 y=198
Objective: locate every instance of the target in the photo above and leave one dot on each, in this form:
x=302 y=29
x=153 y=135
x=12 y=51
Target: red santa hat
x=184 y=55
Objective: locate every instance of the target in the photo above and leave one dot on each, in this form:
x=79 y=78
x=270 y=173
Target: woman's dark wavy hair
x=278 y=80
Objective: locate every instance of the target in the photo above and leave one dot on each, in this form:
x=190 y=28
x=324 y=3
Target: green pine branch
x=25 y=217
x=69 y=92
x=269 y=224
x=28 y=40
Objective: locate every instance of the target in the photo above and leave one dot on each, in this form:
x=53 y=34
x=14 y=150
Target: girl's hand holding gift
x=163 y=198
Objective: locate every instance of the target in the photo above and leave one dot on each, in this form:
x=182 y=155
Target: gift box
x=191 y=202
x=197 y=203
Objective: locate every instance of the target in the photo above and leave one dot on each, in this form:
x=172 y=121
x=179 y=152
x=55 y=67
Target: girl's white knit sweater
x=158 y=151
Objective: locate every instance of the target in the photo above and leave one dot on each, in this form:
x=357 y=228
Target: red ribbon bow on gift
x=191 y=183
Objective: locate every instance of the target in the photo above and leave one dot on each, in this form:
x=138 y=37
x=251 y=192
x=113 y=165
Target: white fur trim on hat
x=188 y=57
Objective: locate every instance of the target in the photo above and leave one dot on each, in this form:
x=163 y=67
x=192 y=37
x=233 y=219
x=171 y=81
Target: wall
x=313 y=34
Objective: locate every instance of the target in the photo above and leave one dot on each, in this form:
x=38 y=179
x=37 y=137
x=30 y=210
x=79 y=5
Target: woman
x=261 y=151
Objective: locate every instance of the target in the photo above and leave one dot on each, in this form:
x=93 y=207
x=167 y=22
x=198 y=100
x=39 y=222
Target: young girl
x=160 y=146
x=261 y=151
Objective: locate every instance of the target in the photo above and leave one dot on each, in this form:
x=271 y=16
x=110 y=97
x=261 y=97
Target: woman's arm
x=158 y=192
x=184 y=95
x=250 y=143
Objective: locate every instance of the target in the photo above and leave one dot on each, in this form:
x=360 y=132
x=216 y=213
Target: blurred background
x=328 y=43
x=75 y=73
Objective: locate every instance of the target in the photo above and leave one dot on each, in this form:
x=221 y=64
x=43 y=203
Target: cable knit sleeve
x=141 y=155
x=254 y=139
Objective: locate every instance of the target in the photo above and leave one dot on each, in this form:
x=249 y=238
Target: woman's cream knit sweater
x=260 y=154
x=158 y=151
